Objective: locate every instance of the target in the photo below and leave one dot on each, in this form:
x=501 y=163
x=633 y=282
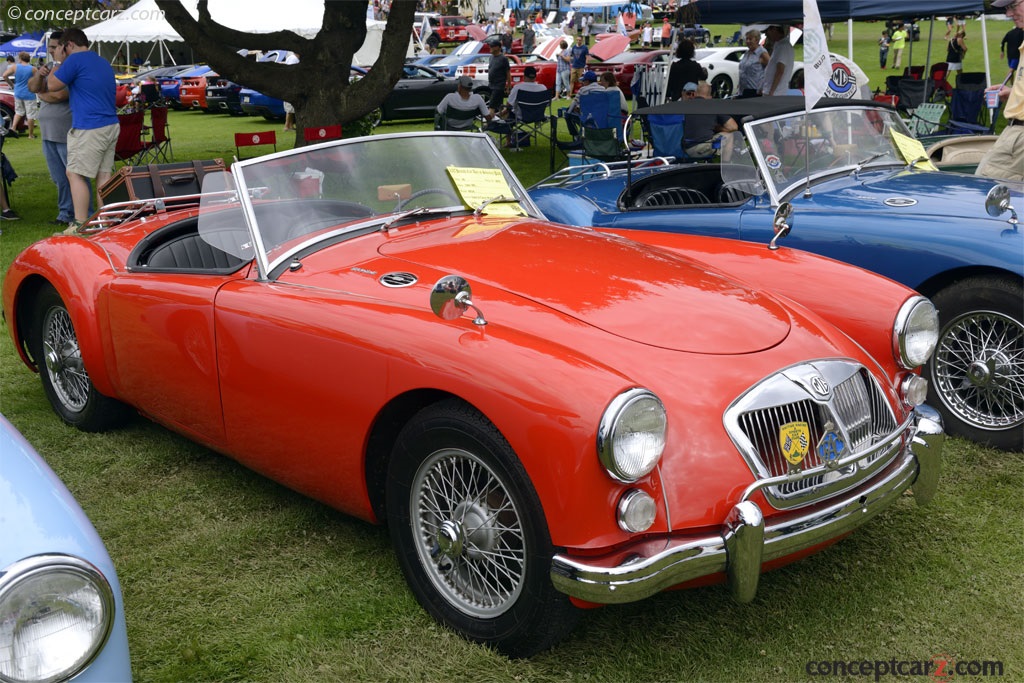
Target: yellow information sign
x=479 y=185
x=911 y=149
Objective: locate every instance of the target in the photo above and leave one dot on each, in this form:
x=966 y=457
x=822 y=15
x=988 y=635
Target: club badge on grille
x=831 y=446
x=795 y=442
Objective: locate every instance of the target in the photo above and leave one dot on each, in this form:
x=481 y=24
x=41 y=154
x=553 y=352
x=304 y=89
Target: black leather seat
x=190 y=252
x=672 y=196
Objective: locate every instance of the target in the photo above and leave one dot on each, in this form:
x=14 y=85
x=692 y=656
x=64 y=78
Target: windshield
x=292 y=201
x=837 y=139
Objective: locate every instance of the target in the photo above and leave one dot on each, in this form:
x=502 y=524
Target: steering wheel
x=425 y=191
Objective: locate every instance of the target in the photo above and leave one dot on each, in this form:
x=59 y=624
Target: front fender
x=78 y=269
x=565 y=207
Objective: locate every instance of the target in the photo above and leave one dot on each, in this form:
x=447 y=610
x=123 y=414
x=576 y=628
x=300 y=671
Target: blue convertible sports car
x=846 y=181
x=61 y=613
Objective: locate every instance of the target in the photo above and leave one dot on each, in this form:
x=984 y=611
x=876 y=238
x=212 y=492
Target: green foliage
x=230 y=577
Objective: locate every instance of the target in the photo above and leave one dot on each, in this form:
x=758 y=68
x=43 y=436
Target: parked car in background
x=415 y=96
x=6 y=106
x=546 y=417
x=547 y=71
x=468 y=52
x=61 y=610
x=255 y=103
x=623 y=66
x=170 y=86
x=857 y=197
x=223 y=96
x=443 y=29
x=723 y=66
x=192 y=93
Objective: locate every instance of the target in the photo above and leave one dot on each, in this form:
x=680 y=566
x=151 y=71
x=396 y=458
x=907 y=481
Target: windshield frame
x=780 y=192
x=268 y=264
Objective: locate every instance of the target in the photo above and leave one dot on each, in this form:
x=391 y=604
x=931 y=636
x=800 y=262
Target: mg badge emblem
x=795 y=441
x=819 y=385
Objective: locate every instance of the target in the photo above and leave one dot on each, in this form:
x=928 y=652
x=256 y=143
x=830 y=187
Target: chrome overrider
x=746 y=541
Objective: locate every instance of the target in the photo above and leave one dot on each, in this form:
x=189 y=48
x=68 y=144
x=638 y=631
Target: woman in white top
x=752 y=65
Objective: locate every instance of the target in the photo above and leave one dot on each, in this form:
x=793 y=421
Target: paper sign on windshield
x=910 y=149
x=479 y=185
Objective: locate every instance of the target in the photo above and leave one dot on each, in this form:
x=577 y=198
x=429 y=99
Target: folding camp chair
x=457 y=119
x=131 y=148
x=665 y=134
x=911 y=92
x=531 y=117
x=926 y=118
x=158 y=147
x=321 y=133
x=265 y=137
x=150 y=94
x=967 y=114
x=971 y=80
x=941 y=89
x=601 y=132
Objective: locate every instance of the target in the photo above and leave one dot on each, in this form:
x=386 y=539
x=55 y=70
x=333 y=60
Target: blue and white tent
x=31 y=43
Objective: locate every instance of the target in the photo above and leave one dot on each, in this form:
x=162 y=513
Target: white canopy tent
x=143 y=22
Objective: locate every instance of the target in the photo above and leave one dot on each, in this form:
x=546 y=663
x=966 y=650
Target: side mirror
x=780 y=223
x=450 y=298
x=997 y=202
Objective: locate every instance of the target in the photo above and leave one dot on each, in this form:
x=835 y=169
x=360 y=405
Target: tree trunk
x=318 y=86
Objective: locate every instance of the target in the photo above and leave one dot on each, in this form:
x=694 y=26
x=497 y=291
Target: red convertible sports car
x=546 y=417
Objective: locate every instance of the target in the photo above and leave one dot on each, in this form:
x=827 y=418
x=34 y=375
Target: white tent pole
x=984 y=48
x=849 y=38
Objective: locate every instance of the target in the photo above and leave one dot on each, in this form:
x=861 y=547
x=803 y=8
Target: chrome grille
x=855 y=407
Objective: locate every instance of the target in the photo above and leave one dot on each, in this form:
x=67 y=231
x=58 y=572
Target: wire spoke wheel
x=63 y=360
x=979 y=370
x=468 y=533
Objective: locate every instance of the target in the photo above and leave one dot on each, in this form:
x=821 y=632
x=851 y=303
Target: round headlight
x=631 y=436
x=914 y=389
x=915 y=332
x=56 y=612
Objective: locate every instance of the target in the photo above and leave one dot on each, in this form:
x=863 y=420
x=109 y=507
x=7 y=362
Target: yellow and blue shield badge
x=795 y=441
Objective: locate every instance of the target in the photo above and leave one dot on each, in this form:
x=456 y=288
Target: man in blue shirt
x=94 y=126
x=578 y=60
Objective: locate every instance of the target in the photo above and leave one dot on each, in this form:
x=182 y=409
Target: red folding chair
x=322 y=133
x=131 y=147
x=263 y=137
x=158 y=147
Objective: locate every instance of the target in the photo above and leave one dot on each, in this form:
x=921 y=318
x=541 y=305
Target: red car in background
x=624 y=66
x=193 y=91
x=546 y=72
x=6 y=107
x=450 y=29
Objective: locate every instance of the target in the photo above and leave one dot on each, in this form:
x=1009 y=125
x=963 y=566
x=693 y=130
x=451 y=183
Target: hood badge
x=398 y=279
x=819 y=385
x=831 y=447
x=795 y=443
x=899 y=201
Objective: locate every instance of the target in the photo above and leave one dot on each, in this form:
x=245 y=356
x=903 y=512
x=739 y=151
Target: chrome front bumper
x=745 y=542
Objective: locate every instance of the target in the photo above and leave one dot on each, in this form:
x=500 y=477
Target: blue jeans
x=562 y=83
x=56 y=154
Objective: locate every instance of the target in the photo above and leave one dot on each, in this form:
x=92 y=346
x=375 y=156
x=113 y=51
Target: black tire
x=433 y=41
x=721 y=86
x=451 y=471
x=54 y=346
x=6 y=117
x=976 y=375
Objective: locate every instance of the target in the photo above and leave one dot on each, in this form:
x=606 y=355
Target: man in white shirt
x=463 y=100
x=779 y=69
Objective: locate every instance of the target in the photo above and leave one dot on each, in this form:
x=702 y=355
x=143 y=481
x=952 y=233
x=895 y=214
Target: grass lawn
x=230 y=577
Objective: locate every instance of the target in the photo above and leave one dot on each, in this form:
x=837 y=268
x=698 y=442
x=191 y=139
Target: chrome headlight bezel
x=20 y=585
x=915 y=332
x=634 y=404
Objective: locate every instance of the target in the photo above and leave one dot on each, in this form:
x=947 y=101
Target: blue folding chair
x=665 y=132
x=601 y=131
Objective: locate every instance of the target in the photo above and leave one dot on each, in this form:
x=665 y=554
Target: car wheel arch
x=940 y=281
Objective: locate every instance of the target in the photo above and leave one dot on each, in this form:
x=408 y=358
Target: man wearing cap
x=779 y=69
x=572 y=115
x=1006 y=158
x=463 y=100
x=529 y=84
x=499 y=76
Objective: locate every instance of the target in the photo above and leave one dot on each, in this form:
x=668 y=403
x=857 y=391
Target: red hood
x=621 y=287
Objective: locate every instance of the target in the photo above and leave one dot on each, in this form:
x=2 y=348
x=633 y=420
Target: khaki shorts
x=27 y=108
x=92 y=150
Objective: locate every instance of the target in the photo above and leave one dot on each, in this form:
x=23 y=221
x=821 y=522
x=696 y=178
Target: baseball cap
x=690 y=87
x=589 y=76
x=1002 y=3
x=530 y=72
x=465 y=81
